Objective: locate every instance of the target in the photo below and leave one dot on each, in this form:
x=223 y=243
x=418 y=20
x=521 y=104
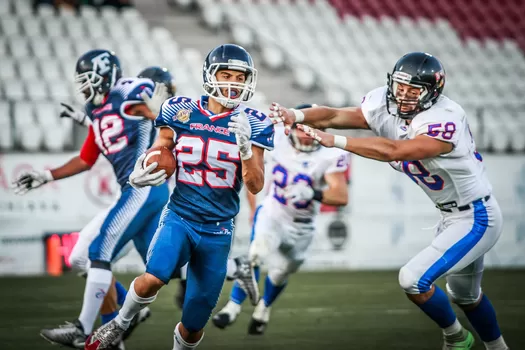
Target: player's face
x=407 y=96
x=304 y=139
x=231 y=76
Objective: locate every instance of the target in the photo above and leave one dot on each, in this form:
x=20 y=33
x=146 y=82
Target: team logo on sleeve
x=183 y=116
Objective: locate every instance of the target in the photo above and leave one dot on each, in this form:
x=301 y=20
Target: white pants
x=456 y=252
x=79 y=258
x=279 y=243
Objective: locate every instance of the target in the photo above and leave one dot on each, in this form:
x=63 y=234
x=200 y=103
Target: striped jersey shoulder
x=262 y=128
x=131 y=88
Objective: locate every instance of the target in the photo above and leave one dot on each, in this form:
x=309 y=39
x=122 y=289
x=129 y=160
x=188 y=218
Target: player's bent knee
x=78 y=262
x=278 y=277
x=411 y=283
x=464 y=299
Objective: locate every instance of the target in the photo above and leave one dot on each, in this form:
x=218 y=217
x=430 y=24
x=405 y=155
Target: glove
x=78 y=116
x=299 y=192
x=240 y=126
x=30 y=180
x=142 y=177
x=160 y=94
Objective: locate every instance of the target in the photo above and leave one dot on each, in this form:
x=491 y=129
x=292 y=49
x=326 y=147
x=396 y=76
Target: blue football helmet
x=96 y=73
x=160 y=75
x=229 y=57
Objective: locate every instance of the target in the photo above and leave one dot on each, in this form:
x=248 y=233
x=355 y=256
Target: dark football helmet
x=419 y=70
x=96 y=73
x=160 y=75
x=303 y=143
x=229 y=57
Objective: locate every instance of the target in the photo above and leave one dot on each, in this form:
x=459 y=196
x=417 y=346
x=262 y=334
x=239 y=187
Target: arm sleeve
x=443 y=129
x=134 y=98
x=337 y=163
x=370 y=103
x=263 y=132
x=89 y=152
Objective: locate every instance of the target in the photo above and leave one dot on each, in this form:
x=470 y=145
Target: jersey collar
x=202 y=104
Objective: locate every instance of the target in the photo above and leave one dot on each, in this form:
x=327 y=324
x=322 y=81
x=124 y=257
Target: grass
x=332 y=310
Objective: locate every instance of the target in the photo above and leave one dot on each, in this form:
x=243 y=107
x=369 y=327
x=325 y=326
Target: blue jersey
x=121 y=137
x=209 y=175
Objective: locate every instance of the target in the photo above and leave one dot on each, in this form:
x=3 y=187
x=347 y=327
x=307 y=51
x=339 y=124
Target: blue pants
x=134 y=216
x=205 y=247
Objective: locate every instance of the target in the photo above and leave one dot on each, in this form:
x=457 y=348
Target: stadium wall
x=389 y=218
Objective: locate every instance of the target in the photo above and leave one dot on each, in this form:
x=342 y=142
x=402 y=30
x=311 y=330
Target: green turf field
x=336 y=310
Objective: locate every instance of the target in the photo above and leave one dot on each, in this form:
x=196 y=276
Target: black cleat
x=70 y=334
x=256 y=327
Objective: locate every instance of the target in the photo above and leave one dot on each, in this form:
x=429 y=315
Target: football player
x=426 y=135
x=304 y=175
x=121 y=129
x=219 y=144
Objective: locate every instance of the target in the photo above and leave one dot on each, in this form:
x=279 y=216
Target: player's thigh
x=465 y=238
x=79 y=257
x=464 y=286
x=170 y=247
x=205 y=279
x=266 y=234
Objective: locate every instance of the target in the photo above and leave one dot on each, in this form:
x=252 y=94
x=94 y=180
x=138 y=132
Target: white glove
x=240 y=126
x=30 y=180
x=160 y=94
x=142 y=177
x=78 y=116
x=299 y=192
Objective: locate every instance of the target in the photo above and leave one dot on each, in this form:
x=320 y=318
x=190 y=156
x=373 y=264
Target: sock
x=439 y=309
x=483 y=319
x=238 y=295
x=271 y=291
x=121 y=292
x=105 y=318
x=97 y=285
x=181 y=344
x=498 y=344
x=454 y=328
x=132 y=305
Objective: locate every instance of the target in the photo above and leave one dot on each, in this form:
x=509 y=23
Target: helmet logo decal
x=101 y=63
x=402 y=77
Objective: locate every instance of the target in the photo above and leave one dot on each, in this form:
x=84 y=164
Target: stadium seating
x=346 y=47
x=39 y=51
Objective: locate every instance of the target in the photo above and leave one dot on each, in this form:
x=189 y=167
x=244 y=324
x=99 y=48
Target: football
x=164 y=157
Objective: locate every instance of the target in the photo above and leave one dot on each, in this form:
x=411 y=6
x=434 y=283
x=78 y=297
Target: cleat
x=260 y=319
x=227 y=315
x=70 y=334
x=246 y=279
x=461 y=341
x=106 y=337
x=140 y=317
x=181 y=293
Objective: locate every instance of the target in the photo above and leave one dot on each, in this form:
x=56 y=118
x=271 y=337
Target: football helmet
x=301 y=142
x=96 y=73
x=420 y=70
x=160 y=75
x=229 y=57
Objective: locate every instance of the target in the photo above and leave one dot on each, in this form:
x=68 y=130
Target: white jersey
x=288 y=166
x=453 y=179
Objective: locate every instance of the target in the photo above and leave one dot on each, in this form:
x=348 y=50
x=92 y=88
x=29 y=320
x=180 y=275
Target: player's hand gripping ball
x=163 y=157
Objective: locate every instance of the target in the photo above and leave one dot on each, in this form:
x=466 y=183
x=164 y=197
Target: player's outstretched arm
x=383 y=149
x=319 y=117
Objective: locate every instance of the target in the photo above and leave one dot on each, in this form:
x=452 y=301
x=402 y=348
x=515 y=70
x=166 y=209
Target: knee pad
x=79 y=262
x=463 y=297
x=410 y=282
x=278 y=276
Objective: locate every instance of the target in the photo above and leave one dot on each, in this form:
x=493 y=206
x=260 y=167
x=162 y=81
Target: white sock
x=232 y=308
x=181 y=344
x=184 y=272
x=97 y=285
x=132 y=305
x=455 y=328
x=498 y=344
x=231 y=270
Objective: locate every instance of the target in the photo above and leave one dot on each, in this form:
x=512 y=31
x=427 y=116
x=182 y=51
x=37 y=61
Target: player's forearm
x=73 y=167
x=337 y=118
x=336 y=196
x=253 y=175
x=165 y=139
x=377 y=148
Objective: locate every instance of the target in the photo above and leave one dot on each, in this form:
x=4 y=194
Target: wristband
x=318 y=195
x=48 y=175
x=299 y=115
x=340 y=141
